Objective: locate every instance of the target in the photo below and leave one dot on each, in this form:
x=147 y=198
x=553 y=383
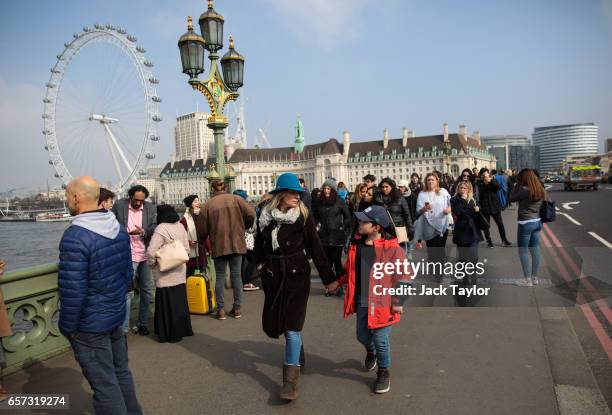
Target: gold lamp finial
x=231 y=45
x=189 y=23
x=210 y=4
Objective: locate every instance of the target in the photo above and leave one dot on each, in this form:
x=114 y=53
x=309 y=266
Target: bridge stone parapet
x=32 y=301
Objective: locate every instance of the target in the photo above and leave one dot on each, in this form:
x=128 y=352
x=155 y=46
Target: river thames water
x=27 y=244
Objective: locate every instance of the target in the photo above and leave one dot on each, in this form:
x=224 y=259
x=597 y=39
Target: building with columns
x=256 y=169
x=348 y=161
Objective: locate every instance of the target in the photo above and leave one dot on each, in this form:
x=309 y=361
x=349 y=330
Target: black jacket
x=398 y=209
x=489 y=202
x=465 y=232
x=335 y=220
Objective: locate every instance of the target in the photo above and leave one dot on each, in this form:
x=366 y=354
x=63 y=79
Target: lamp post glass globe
x=191 y=46
x=211 y=27
x=232 y=64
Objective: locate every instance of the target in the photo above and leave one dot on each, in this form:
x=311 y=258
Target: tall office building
x=193 y=139
x=608 y=145
x=560 y=141
x=507 y=149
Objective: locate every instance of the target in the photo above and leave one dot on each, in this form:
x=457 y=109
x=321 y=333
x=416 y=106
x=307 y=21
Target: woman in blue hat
x=285 y=232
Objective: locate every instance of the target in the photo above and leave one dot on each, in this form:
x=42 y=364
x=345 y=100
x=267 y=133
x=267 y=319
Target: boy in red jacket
x=374 y=293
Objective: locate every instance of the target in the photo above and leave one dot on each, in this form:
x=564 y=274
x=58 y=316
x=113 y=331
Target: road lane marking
x=600 y=239
x=547 y=186
x=567 y=205
x=574 y=221
x=603 y=306
x=593 y=321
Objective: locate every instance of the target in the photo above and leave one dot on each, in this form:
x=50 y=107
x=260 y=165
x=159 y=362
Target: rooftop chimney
x=346 y=143
x=385 y=138
x=476 y=136
x=445 y=132
x=411 y=134
x=404 y=137
x=463 y=131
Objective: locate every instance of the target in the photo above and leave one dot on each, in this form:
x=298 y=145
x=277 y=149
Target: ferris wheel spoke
x=119 y=135
x=114 y=156
x=118 y=148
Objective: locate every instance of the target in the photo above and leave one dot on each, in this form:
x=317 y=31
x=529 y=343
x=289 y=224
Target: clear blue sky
x=502 y=67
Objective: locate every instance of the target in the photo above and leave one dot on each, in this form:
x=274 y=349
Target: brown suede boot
x=291 y=376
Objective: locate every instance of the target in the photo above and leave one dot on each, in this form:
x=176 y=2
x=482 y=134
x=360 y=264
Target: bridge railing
x=31 y=298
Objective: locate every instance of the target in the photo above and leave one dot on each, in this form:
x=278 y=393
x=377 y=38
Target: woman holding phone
x=433 y=208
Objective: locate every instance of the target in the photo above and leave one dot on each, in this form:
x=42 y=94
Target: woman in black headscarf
x=172 y=320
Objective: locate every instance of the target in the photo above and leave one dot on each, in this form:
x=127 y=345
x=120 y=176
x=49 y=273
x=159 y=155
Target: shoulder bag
x=171 y=255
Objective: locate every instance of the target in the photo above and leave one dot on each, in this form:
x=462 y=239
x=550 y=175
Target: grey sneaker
x=383 y=381
x=535 y=280
x=526 y=282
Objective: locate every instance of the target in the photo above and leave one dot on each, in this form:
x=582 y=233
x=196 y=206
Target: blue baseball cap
x=377 y=214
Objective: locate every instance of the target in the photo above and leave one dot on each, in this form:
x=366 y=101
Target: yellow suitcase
x=200 y=295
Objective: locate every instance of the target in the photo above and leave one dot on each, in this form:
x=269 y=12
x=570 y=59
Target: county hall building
x=256 y=169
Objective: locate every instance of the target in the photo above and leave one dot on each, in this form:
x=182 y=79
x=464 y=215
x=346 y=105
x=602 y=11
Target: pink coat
x=164 y=233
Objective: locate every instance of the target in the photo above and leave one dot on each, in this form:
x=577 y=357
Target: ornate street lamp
x=217 y=89
x=447 y=153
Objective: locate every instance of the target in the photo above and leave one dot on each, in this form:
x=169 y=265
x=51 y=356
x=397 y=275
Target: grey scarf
x=268 y=216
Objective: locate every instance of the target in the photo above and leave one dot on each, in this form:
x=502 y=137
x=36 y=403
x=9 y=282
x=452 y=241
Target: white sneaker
x=525 y=282
x=535 y=280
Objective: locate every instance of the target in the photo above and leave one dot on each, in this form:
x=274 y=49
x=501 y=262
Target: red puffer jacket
x=380 y=315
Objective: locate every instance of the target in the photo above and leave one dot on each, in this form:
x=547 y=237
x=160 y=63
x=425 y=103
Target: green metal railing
x=31 y=298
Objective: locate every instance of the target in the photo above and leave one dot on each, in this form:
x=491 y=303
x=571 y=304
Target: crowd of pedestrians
x=112 y=249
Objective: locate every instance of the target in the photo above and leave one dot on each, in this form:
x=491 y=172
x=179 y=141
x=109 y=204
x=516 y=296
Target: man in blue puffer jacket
x=95 y=269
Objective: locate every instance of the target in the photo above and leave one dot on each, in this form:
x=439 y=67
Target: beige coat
x=224 y=218
x=164 y=233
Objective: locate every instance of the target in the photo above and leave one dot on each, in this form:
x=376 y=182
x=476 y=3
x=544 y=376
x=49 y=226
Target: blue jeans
x=529 y=243
x=142 y=275
x=103 y=358
x=374 y=340
x=235 y=265
x=409 y=249
x=293 y=346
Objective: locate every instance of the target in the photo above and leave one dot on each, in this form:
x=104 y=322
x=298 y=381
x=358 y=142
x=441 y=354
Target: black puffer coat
x=488 y=200
x=285 y=273
x=335 y=220
x=398 y=208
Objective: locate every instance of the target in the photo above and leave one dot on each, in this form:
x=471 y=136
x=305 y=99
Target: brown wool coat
x=224 y=218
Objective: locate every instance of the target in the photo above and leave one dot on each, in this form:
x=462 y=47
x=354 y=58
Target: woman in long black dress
x=172 y=319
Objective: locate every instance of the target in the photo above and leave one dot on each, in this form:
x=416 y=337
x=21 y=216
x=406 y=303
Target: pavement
x=519 y=350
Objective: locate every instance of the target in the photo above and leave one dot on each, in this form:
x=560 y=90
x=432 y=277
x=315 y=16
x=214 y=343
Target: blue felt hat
x=287 y=181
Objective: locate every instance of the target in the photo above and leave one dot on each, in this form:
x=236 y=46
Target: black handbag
x=548 y=212
x=481 y=222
